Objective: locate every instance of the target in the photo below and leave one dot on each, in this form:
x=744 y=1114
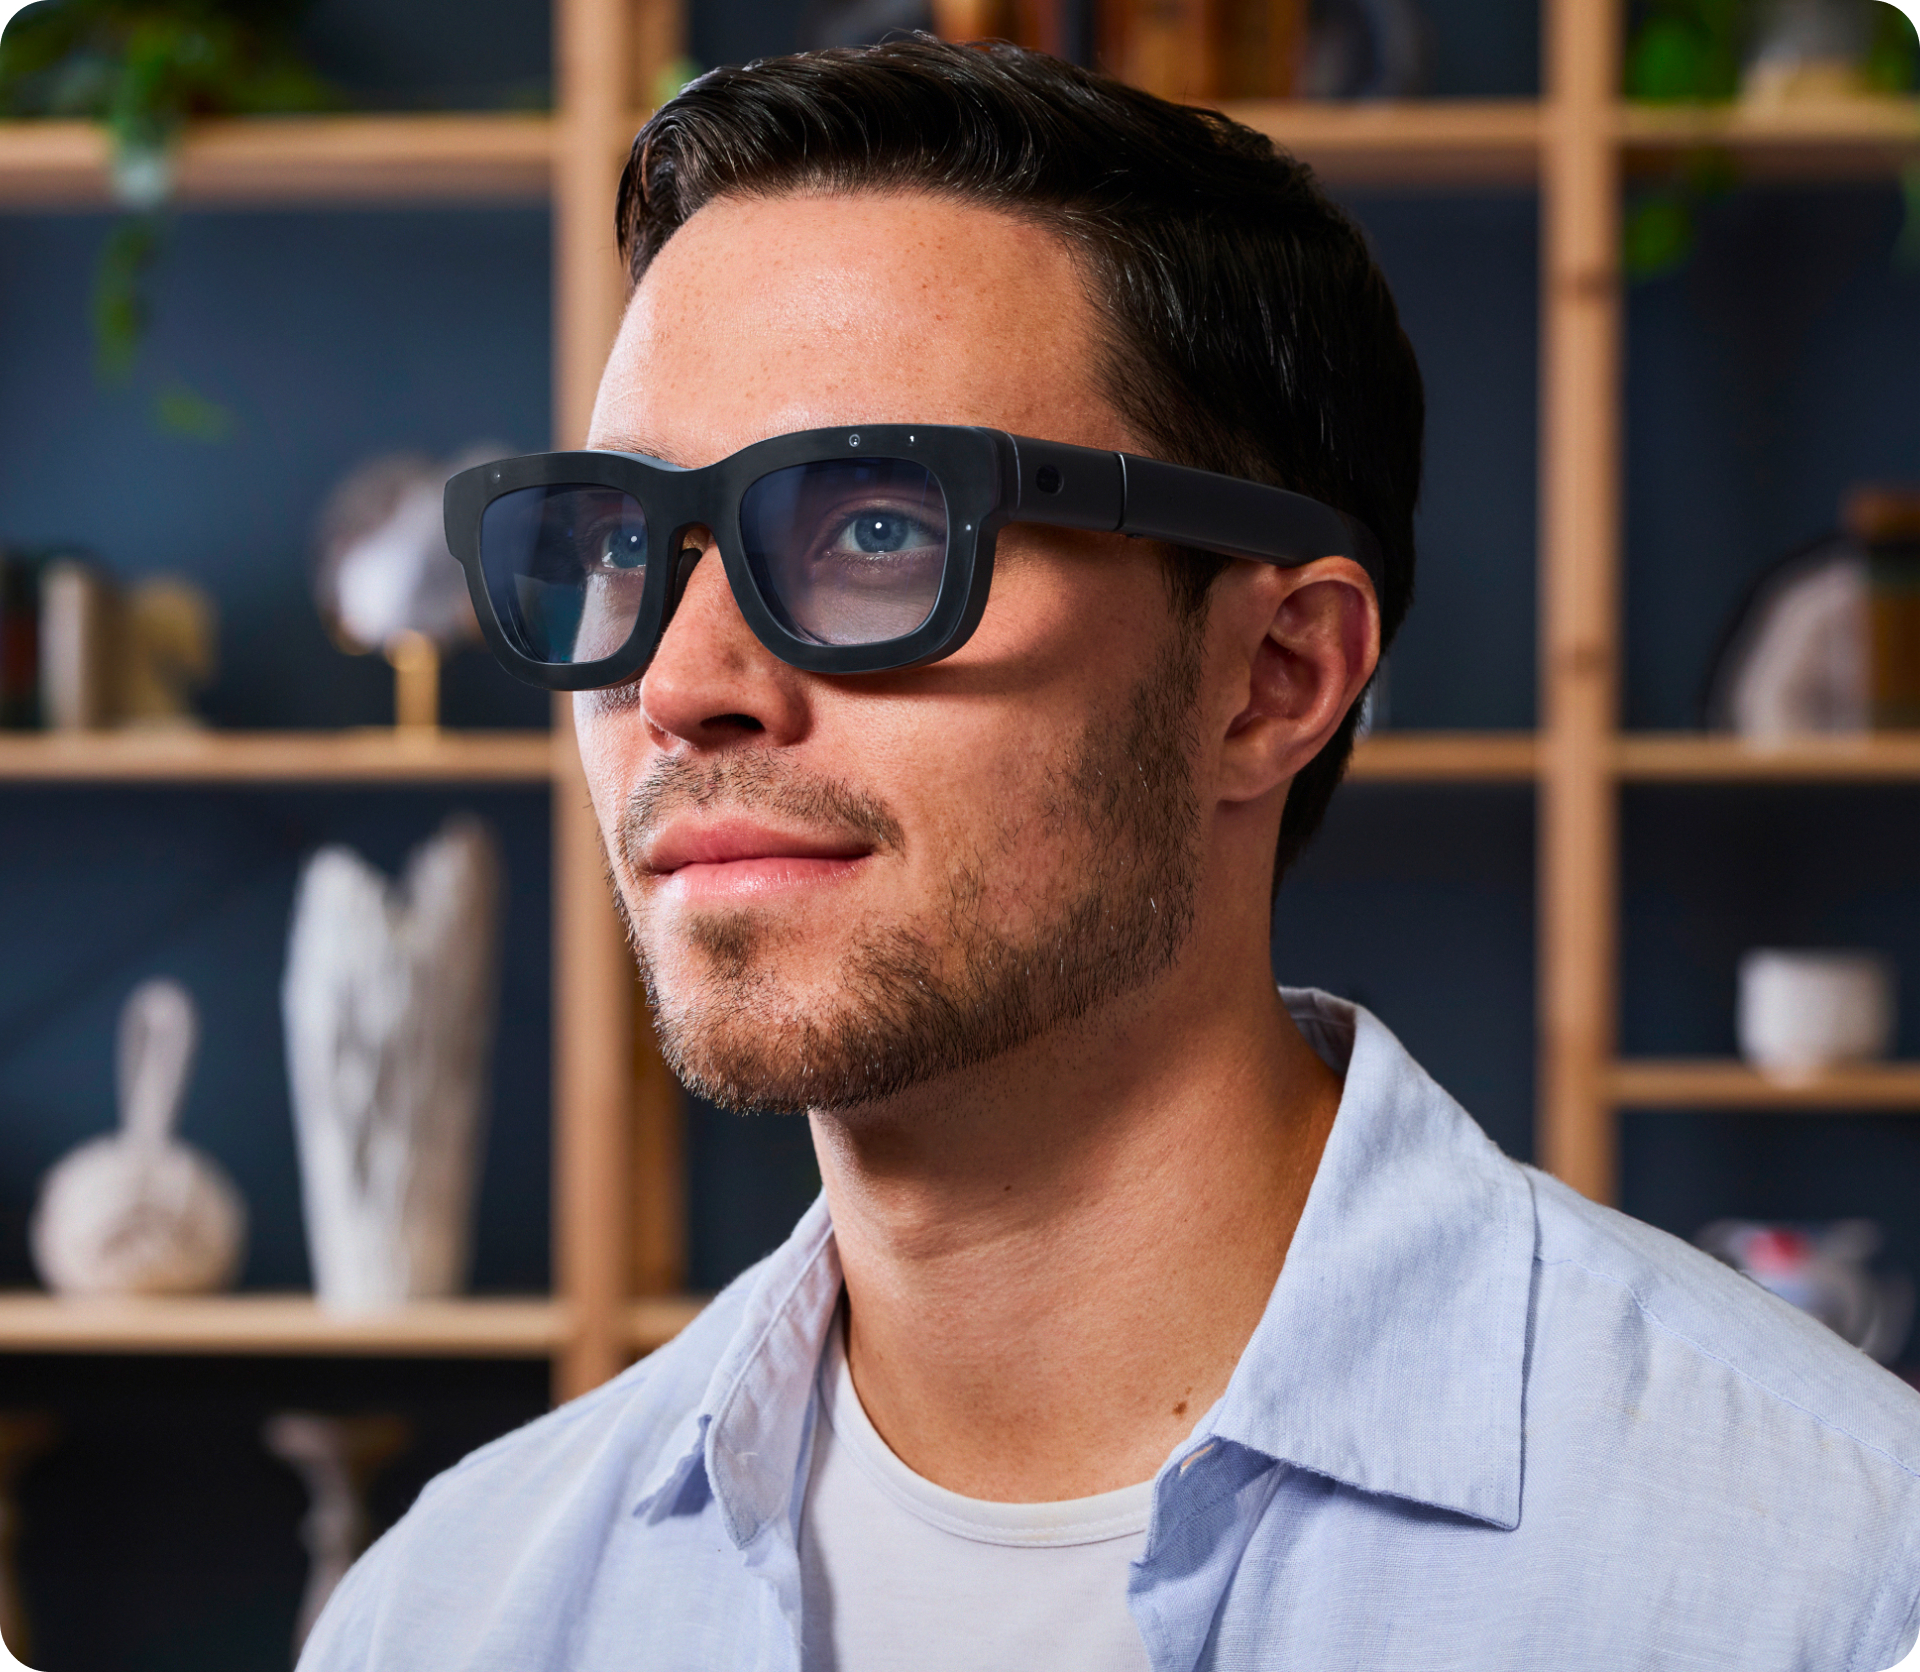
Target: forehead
x=765 y=315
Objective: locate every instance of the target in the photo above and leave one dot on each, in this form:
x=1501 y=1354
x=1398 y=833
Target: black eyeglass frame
x=990 y=479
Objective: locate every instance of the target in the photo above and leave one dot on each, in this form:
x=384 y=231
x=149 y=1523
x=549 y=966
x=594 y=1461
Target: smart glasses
x=848 y=550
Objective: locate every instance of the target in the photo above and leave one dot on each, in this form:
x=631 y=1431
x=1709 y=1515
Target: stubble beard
x=915 y=1003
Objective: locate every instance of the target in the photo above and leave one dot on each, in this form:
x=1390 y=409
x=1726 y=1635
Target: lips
x=719 y=844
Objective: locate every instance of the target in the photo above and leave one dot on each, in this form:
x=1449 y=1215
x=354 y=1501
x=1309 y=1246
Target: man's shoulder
x=1636 y=1314
x=507 y=1546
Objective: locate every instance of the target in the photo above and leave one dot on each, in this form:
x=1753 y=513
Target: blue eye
x=886 y=533
x=623 y=546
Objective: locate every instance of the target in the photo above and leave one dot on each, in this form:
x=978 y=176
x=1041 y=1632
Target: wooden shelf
x=296 y=159
x=1683 y=1084
x=1445 y=757
x=511 y=156
x=371 y=756
x=279 y=1324
x=1693 y=758
x=1814 y=139
x=1440 y=142
x=654 y=1321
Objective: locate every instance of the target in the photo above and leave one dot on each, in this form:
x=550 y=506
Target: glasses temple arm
x=1085 y=487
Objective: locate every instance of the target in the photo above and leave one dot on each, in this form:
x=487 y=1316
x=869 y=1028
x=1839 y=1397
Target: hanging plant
x=1697 y=52
x=144 y=69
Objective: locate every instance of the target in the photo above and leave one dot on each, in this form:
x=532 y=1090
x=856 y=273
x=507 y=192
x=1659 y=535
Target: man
x=1149 y=1318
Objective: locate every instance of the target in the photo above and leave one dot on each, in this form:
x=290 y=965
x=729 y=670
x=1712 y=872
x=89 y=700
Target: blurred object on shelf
x=337 y=1458
x=1828 y=639
x=1203 y=50
x=140 y=1213
x=112 y=655
x=1795 y=662
x=1065 y=28
x=1367 y=49
x=384 y=579
x=24 y=1436
x=415 y=660
x=1823 y=1270
x=166 y=652
x=1808 y=49
x=77 y=608
x=1801 y=1013
x=1884 y=522
x=388 y=1001
x=19 y=640
x=1710 y=51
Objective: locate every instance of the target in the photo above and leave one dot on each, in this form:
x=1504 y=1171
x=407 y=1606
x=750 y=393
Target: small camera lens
x=1047 y=479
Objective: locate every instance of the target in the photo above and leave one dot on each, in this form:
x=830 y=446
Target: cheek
x=613 y=747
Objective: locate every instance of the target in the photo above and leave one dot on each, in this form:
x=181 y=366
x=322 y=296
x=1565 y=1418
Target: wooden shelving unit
x=618 y=1210
x=356 y=757
x=1649 y=1083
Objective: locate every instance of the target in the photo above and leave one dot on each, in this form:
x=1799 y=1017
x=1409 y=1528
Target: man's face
x=839 y=888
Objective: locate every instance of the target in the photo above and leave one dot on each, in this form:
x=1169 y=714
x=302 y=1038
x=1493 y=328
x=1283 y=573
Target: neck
x=1053 y=1268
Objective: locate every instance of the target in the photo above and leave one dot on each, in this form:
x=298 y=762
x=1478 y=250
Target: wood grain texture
x=274 y=160
x=372 y=756
x=1445 y=757
x=1455 y=142
x=1706 y=1084
x=1889 y=757
x=1580 y=504
x=279 y=1324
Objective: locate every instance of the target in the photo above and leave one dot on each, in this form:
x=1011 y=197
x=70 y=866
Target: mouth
x=739 y=859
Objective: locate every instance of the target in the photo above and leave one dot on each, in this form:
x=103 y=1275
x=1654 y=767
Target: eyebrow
x=629 y=443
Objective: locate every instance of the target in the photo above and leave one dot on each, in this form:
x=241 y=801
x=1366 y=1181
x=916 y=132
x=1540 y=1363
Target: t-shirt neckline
x=1107 y=1515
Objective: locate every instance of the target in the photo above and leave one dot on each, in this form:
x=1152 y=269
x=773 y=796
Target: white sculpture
x=140 y=1212
x=1803 y=663
x=388 y=1002
x=337 y=1458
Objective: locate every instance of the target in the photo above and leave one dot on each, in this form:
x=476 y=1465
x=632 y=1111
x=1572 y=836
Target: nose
x=712 y=684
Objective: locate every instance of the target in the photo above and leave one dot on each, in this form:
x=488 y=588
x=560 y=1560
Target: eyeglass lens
x=847 y=551
x=843 y=552
x=565 y=566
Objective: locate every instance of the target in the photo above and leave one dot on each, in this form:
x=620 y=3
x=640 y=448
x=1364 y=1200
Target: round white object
x=1801 y=1012
x=140 y=1213
x=122 y=1217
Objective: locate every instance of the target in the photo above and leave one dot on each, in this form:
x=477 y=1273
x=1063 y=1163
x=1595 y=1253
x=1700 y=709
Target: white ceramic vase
x=388 y=1002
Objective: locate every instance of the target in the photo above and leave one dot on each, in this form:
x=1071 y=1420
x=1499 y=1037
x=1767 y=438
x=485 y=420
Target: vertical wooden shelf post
x=1580 y=523
x=593 y=1013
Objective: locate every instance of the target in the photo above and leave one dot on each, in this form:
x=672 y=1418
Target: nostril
x=737 y=722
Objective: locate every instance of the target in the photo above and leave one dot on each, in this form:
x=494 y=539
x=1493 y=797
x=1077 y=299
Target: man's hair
x=1247 y=327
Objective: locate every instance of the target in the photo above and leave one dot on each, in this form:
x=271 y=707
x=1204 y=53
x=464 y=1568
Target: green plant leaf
x=1658 y=235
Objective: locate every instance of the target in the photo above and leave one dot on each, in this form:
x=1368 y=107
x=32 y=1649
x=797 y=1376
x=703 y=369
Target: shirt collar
x=1391 y=1356
x=752 y=1424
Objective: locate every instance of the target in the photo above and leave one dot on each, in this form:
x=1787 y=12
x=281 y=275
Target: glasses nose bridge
x=690 y=540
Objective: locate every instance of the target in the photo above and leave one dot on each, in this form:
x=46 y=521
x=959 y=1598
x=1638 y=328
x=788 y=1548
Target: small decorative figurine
x=385 y=580
x=337 y=1458
x=388 y=1001
x=140 y=1213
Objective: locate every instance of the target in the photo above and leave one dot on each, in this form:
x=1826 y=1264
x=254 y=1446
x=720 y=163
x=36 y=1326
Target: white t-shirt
x=900 y=1575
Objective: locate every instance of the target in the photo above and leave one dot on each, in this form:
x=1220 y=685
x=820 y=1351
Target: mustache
x=758 y=782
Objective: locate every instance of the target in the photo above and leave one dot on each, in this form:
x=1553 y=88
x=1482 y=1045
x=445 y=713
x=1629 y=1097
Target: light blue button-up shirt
x=1483 y=1424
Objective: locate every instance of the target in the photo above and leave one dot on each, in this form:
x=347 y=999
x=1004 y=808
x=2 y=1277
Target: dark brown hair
x=1249 y=329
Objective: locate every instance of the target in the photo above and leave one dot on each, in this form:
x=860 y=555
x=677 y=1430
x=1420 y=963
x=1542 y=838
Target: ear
x=1300 y=646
